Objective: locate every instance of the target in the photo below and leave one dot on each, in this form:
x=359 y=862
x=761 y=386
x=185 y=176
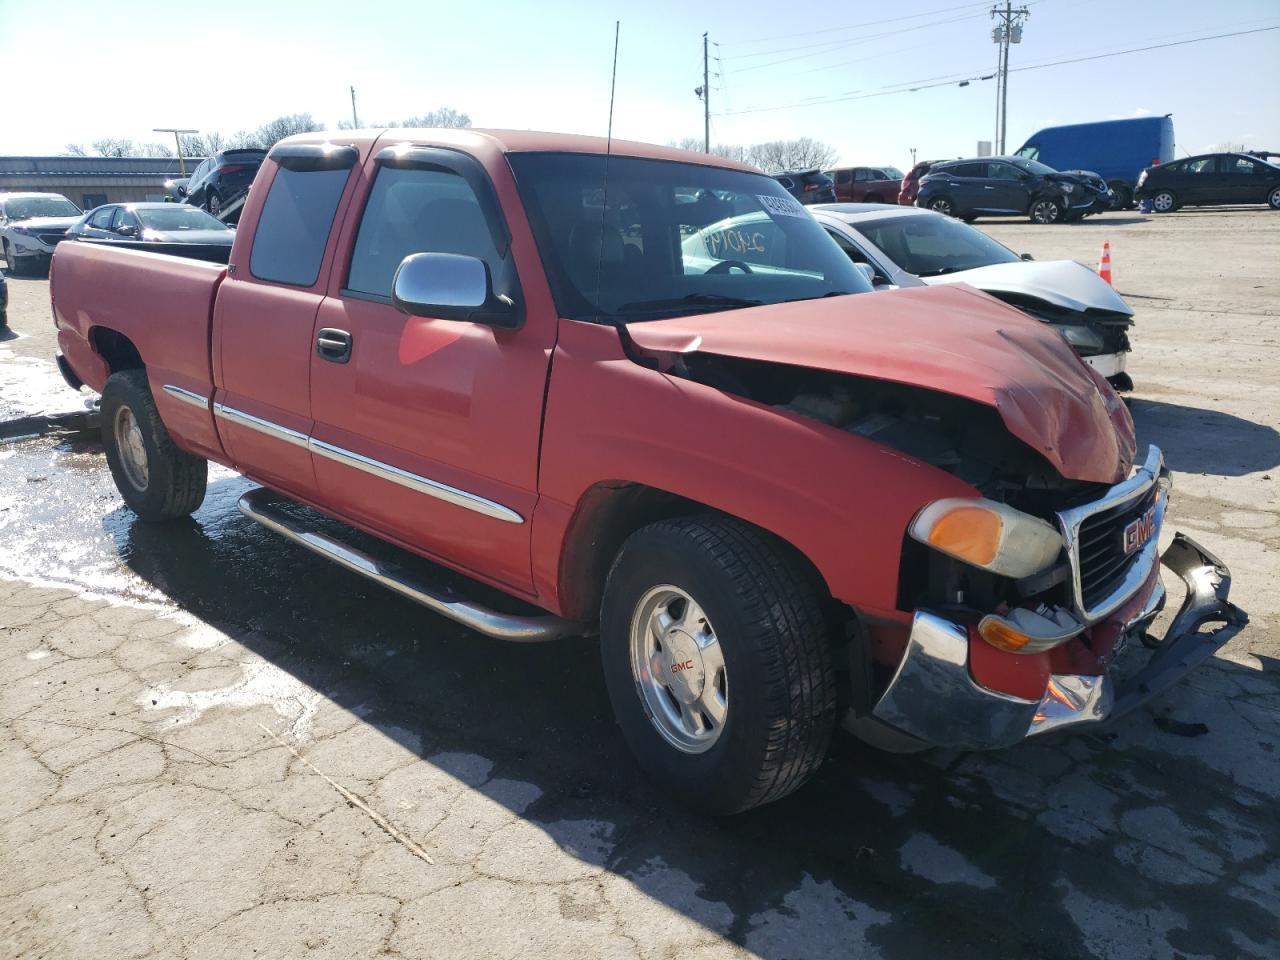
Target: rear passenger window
x=416 y=211
x=294 y=225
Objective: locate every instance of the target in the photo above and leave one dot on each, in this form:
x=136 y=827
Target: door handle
x=989 y=187
x=334 y=345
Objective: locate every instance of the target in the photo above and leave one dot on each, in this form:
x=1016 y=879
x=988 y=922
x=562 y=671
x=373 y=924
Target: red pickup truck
x=642 y=392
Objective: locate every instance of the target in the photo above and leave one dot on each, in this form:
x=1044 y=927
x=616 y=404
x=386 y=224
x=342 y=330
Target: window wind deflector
x=464 y=165
x=305 y=157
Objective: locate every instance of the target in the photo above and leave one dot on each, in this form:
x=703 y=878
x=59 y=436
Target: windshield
x=1036 y=167
x=930 y=246
x=179 y=217
x=675 y=238
x=24 y=208
x=893 y=173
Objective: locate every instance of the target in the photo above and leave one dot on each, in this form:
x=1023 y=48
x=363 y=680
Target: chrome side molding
x=264 y=507
x=384 y=471
x=187 y=396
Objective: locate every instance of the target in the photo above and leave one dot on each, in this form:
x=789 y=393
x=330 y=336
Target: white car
x=907 y=246
x=31 y=225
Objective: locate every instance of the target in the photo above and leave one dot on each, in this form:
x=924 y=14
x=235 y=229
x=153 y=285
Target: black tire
x=1164 y=201
x=1124 y=195
x=1273 y=199
x=767 y=610
x=175 y=480
x=1045 y=211
x=13 y=260
x=212 y=202
x=942 y=205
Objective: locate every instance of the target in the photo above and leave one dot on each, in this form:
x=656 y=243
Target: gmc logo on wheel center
x=1139 y=531
x=686 y=665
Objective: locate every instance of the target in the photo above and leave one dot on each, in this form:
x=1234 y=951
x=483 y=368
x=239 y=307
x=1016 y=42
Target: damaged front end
x=1061 y=648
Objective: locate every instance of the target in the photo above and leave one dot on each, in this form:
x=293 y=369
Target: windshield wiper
x=821 y=296
x=692 y=299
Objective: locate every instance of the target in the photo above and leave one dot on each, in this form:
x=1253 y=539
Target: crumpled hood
x=1062 y=283
x=951 y=339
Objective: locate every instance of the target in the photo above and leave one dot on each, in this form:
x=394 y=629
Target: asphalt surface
x=213 y=744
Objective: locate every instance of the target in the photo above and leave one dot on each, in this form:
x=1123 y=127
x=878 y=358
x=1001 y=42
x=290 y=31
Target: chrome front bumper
x=933 y=701
x=1107 y=364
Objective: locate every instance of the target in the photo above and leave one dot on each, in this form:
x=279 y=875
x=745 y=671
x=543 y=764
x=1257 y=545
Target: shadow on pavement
x=1196 y=440
x=1130 y=844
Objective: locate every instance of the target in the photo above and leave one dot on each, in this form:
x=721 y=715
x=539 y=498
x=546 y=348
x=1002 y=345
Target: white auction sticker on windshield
x=781 y=206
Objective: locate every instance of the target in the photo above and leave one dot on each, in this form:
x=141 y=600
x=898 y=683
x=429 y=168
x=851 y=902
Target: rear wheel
x=1044 y=211
x=717 y=660
x=156 y=479
x=1273 y=199
x=212 y=202
x=942 y=205
x=1124 y=195
x=1164 y=201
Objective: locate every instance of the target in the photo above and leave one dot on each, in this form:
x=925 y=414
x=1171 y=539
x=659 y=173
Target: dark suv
x=808 y=186
x=1012 y=186
x=223 y=177
x=1213 y=178
x=866 y=184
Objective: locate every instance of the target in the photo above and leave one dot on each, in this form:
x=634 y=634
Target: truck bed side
x=117 y=309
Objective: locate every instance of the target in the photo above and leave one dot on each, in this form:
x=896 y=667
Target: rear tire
x=1164 y=201
x=212 y=202
x=157 y=480
x=752 y=663
x=1124 y=195
x=1273 y=199
x=943 y=206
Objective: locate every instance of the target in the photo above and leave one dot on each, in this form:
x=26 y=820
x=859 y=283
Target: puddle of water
x=30 y=386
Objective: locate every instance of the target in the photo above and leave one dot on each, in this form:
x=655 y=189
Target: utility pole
x=706 y=99
x=182 y=163
x=355 y=122
x=1007 y=31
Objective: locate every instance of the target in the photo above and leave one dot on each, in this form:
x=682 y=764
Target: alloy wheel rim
x=679 y=670
x=942 y=206
x=1163 y=202
x=1274 y=199
x=133 y=449
x=1046 y=211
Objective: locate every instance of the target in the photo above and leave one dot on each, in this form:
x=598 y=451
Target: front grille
x=1103 y=560
x=52 y=238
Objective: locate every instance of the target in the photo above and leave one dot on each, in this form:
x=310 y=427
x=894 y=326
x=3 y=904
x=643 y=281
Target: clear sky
x=85 y=69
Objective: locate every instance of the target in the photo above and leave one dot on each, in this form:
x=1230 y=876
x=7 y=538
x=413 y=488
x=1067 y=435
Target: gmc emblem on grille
x=1139 y=531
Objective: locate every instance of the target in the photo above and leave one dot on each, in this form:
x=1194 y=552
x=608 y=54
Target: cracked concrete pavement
x=215 y=745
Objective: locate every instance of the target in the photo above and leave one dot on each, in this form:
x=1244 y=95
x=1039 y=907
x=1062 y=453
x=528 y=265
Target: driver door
x=1005 y=188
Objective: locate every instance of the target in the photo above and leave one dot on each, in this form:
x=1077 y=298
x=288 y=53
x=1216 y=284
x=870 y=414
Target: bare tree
x=75 y=150
x=202 y=144
x=273 y=131
x=113 y=147
x=802 y=154
x=154 y=150
x=443 y=117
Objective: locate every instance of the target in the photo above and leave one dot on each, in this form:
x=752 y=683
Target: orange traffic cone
x=1104 y=265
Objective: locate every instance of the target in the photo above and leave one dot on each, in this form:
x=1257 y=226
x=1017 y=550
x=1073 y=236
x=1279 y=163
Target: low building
x=92 y=181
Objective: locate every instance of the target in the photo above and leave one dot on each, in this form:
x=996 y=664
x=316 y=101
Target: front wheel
x=1046 y=211
x=1123 y=196
x=1273 y=199
x=156 y=479
x=212 y=202
x=12 y=260
x=717 y=659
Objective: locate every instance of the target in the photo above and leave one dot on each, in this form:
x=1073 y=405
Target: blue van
x=1116 y=150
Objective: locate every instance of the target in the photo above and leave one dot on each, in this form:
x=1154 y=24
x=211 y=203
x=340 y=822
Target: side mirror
x=1026 y=256
x=127 y=230
x=868 y=272
x=449 y=286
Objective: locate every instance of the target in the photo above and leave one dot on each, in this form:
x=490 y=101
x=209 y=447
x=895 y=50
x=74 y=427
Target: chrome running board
x=263 y=505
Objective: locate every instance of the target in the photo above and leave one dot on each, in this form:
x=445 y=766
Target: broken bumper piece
x=933 y=701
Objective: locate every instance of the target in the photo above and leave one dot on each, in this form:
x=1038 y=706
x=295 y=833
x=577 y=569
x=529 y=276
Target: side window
x=1203 y=165
x=294 y=225
x=1240 y=165
x=124 y=218
x=968 y=170
x=844 y=177
x=101 y=218
x=413 y=210
x=1002 y=171
x=853 y=252
x=861 y=174
x=787 y=182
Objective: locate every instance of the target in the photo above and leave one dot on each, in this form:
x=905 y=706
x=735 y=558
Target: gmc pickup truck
x=558 y=366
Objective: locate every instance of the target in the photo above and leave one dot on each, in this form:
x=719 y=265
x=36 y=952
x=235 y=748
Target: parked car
x=4 y=303
x=910 y=187
x=808 y=186
x=1210 y=179
x=1011 y=186
x=31 y=225
x=163 y=227
x=905 y=246
x=1118 y=150
x=176 y=188
x=754 y=485
x=866 y=184
x=223 y=177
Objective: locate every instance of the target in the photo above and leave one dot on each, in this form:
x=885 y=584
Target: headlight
x=1068 y=187
x=25 y=231
x=1142 y=178
x=1082 y=338
x=988 y=535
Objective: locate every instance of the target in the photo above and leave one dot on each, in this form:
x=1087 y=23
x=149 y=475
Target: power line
x=855 y=26
x=955 y=79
